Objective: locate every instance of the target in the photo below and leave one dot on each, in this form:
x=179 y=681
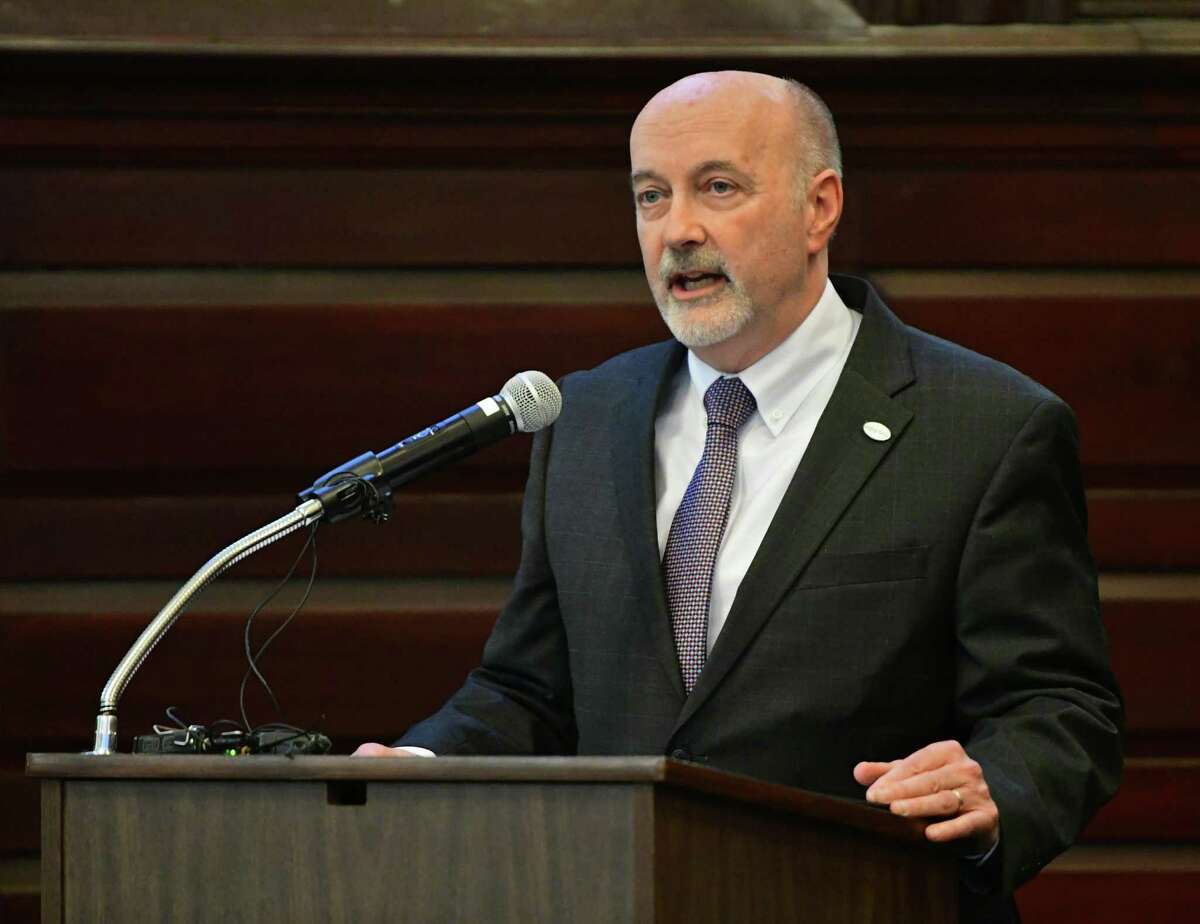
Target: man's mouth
x=696 y=283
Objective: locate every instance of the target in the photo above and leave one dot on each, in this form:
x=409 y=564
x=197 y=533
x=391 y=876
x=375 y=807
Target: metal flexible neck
x=106 y=722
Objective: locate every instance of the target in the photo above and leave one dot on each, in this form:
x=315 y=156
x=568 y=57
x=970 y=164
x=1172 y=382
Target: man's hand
x=371 y=749
x=938 y=781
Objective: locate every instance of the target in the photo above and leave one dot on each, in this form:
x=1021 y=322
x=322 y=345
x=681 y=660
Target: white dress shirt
x=791 y=385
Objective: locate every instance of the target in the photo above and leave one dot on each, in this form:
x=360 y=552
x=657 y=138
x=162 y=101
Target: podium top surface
x=656 y=771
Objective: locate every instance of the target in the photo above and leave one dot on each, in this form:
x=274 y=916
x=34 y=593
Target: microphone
x=528 y=402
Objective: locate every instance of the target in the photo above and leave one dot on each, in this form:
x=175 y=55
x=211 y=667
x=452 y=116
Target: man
x=818 y=547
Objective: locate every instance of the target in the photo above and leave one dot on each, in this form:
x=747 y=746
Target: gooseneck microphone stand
x=106 y=722
x=363 y=486
x=356 y=488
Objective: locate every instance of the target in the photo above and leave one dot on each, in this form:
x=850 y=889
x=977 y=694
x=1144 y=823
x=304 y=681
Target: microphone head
x=534 y=400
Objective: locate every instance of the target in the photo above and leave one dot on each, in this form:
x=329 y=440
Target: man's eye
x=649 y=197
x=721 y=187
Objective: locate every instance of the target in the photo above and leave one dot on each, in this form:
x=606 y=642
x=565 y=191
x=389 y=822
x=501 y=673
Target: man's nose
x=683 y=227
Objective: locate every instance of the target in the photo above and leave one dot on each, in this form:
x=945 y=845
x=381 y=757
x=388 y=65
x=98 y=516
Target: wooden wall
x=222 y=274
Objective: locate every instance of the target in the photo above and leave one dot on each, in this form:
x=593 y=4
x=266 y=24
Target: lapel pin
x=877 y=431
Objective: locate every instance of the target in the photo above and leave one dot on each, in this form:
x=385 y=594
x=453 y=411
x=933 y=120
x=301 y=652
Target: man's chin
x=693 y=325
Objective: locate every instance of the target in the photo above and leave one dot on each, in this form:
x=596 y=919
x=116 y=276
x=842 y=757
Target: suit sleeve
x=1036 y=697
x=518 y=701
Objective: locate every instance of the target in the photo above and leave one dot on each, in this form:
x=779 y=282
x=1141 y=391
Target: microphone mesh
x=534 y=399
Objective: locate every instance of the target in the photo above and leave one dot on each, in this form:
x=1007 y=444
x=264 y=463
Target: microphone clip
x=351 y=490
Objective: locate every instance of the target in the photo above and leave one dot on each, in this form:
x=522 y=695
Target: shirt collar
x=784 y=378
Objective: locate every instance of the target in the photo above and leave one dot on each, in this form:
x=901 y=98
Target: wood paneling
x=336 y=666
x=1106 y=897
x=357 y=21
x=138 y=434
x=520 y=818
x=316 y=217
x=1153 y=649
x=159 y=398
x=1155 y=803
x=450 y=535
x=371 y=216
x=176 y=160
x=830 y=890
x=147 y=391
x=1144 y=530
x=20 y=821
x=1129 y=367
x=20 y=907
x=370 y=665
x=928 y=12
x=431 y=533
x=1014 y=216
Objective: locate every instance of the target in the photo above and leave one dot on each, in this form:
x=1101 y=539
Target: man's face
x=720 y=215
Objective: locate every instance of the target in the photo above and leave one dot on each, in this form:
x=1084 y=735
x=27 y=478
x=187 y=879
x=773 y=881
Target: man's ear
x=824 y=209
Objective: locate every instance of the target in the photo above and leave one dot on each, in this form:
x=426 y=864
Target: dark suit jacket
x=934 y=585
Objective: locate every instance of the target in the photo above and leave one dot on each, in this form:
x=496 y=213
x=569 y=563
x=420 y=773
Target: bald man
x=801 y=540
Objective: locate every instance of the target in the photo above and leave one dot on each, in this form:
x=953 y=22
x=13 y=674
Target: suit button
x=681 y=754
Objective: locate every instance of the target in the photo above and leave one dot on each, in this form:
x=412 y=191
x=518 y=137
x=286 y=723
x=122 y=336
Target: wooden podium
x=572 y=840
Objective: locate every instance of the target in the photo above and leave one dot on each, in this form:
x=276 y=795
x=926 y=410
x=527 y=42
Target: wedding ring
x=958 y=796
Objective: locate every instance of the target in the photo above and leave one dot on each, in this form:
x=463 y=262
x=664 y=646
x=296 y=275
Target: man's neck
x=764 y=333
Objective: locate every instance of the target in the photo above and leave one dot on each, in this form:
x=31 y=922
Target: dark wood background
x=223 y=272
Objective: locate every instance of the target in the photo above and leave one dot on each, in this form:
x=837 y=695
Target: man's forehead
x=690 y=143
x=728 y=121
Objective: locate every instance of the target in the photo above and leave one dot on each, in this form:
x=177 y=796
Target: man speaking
x=802 y=541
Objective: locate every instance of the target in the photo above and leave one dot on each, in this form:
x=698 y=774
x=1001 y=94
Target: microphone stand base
x=106 y=735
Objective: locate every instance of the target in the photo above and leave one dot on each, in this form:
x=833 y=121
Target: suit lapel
x=839 y=460
x=632 y=442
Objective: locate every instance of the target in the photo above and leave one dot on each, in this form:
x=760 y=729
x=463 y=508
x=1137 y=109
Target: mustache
x=674 y=262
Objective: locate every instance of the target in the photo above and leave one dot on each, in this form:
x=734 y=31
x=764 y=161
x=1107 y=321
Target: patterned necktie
x=699 y=524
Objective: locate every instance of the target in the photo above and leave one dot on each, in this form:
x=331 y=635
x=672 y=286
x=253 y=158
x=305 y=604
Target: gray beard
x=693 y=331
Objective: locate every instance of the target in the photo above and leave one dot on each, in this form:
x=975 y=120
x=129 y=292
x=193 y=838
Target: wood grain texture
x=159 y=398
x=335 y=666
x=1129 y=897
x=98 y=216
x=1128 y=366
x=1140 y=530
x=496 y=851
x=722 y=863
x=1153 y=642
x=52 y=845
x=544 y=839
x=110 y=538
x=332 y=158
x=665 y=773
x=317 y=216
x=334 y=671
x=146 y=394
x=617 y=22
x=928 y=12
x=20 y=907
x=20 y=809
x=237 y=159
x=430 y=535
x=1155 y=803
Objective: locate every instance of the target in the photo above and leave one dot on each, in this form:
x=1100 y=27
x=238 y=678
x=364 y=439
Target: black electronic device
x=286 y=740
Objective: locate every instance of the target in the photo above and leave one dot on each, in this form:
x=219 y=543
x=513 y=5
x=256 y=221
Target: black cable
x=253 y=659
